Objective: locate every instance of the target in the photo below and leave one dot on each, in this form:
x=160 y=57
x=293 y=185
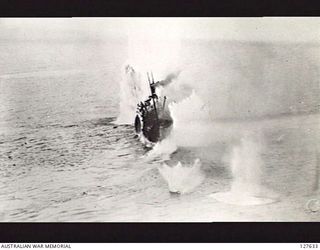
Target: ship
x=153 y=121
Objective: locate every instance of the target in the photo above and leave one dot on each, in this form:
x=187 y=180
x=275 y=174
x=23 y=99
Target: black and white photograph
x=160 y=119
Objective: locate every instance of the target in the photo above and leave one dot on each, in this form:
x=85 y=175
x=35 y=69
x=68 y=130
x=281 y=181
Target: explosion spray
x=182 y=179
x=246 y=167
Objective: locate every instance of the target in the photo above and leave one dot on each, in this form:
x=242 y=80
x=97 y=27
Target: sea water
x=63 y=157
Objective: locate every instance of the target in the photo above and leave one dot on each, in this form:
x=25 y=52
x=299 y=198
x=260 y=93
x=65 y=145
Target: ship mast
x=152 y=89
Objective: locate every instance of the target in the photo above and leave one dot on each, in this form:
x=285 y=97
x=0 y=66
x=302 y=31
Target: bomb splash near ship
x=183 y=119
x=153 y=118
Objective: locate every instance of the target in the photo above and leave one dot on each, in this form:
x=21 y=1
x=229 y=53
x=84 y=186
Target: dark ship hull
x=153 y=121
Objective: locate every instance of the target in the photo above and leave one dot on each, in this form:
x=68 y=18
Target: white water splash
x=163 y=149
x=182 y=179
x=152 y=46
x=190 y=109
x=134 y=88
x=194 y=124
x=246 y=166
x=132 y=91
